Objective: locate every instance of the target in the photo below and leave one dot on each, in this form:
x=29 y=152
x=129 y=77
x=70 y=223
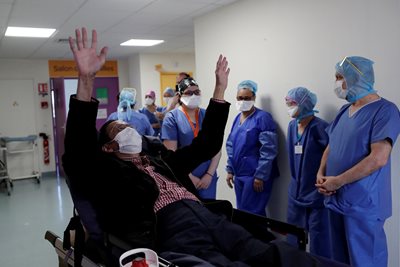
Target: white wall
x=282 y=44
x=150 y=77
x=37 y=71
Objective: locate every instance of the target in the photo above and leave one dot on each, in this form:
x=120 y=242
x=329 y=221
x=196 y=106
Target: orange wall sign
x=67 y=68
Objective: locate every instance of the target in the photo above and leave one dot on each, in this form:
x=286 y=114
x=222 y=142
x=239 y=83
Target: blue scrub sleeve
x=169 y=129
x=268 y=152
x=146 y=122
x=229 y=151
x=386 y=124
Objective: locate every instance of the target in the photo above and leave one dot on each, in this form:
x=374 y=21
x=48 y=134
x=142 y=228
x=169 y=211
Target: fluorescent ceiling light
x=141 y=42
x=29 y=32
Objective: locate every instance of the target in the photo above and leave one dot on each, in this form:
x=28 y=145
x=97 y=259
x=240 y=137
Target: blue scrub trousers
x=315 y=221
x=361 y=242
x=249 y=200
x=211 y=191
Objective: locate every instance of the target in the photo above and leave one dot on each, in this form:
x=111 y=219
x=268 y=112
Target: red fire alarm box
x=44 y=104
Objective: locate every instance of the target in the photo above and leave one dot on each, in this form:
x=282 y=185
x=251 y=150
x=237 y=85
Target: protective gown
x=252 y=148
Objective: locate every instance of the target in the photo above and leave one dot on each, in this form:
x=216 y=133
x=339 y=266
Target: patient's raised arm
x=87 y=61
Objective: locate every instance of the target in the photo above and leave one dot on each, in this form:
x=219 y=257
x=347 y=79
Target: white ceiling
x=116 y=21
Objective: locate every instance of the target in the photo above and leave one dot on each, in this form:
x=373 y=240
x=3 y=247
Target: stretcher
x=106 y=253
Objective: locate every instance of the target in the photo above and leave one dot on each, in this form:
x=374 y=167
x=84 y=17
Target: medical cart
x=18 y=149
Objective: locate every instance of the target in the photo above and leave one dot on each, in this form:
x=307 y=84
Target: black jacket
x=122 y=195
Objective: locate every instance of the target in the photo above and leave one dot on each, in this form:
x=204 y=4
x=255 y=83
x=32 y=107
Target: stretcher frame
x=66 y=257
x=259 y=226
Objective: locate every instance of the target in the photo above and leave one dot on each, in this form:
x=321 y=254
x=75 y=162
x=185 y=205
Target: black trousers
x=188 y=227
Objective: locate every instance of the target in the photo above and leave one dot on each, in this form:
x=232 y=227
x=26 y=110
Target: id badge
x=298 y=149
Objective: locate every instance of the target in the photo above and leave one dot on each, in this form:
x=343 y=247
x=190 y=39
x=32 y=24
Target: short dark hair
x=184 y=74
x=103 y=134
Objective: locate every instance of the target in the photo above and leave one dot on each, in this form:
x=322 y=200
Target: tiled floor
x=25 y=216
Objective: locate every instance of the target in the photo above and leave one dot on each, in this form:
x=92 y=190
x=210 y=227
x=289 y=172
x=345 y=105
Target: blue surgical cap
x=169 y=91
x=359 y=76
x=127 y=98
x=305 y=100
x=248 y=84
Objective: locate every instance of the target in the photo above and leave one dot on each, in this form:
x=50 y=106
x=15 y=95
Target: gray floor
x=25 y=216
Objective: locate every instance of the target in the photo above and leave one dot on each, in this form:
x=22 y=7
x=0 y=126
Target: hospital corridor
x=211 y=133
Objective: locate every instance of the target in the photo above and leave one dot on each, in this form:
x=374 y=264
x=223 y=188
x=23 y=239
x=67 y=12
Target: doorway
x=105 y=89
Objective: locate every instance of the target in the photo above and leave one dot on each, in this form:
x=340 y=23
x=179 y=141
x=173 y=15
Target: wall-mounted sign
x=43 y=89
x=102 y=95
x=67 y=68
x=102 y=113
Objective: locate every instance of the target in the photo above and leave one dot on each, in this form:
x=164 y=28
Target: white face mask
x=148 y=101
x=244 y=105
x=191 y=101
x=339 y=91
x=129 y=141
x=167 y=100
x=292 y=111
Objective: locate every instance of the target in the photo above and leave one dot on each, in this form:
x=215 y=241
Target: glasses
x=190 y=93
x=354 y=66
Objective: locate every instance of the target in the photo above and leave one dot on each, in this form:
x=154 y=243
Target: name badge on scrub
x=298 y=149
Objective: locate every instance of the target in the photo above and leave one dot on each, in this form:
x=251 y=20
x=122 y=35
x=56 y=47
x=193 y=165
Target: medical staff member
x=183 y=124
x=125 y=112
x=168 y=96
x=306 y=142
x=355 y=168
x=252 y=148
x=150 y=110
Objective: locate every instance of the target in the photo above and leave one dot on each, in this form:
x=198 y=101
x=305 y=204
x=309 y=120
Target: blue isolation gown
x=176 y=127
x=252 y=148
x=361 y=208
x=152 y=118
x=137 y=121
x=306 y=205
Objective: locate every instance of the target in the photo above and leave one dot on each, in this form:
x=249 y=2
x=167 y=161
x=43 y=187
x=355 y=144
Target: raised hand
x=87 y=61
x=86 y=58
x=221 y=77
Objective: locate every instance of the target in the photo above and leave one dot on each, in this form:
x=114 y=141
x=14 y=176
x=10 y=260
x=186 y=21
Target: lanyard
x=197 y=129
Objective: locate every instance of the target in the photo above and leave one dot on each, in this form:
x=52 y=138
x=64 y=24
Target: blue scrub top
x=176 y=127
x=350 y=139
x=304 y=166
x=252 y=146
x=137 y=121
x=152 y=118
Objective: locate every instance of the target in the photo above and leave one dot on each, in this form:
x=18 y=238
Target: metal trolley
x=13 y=149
